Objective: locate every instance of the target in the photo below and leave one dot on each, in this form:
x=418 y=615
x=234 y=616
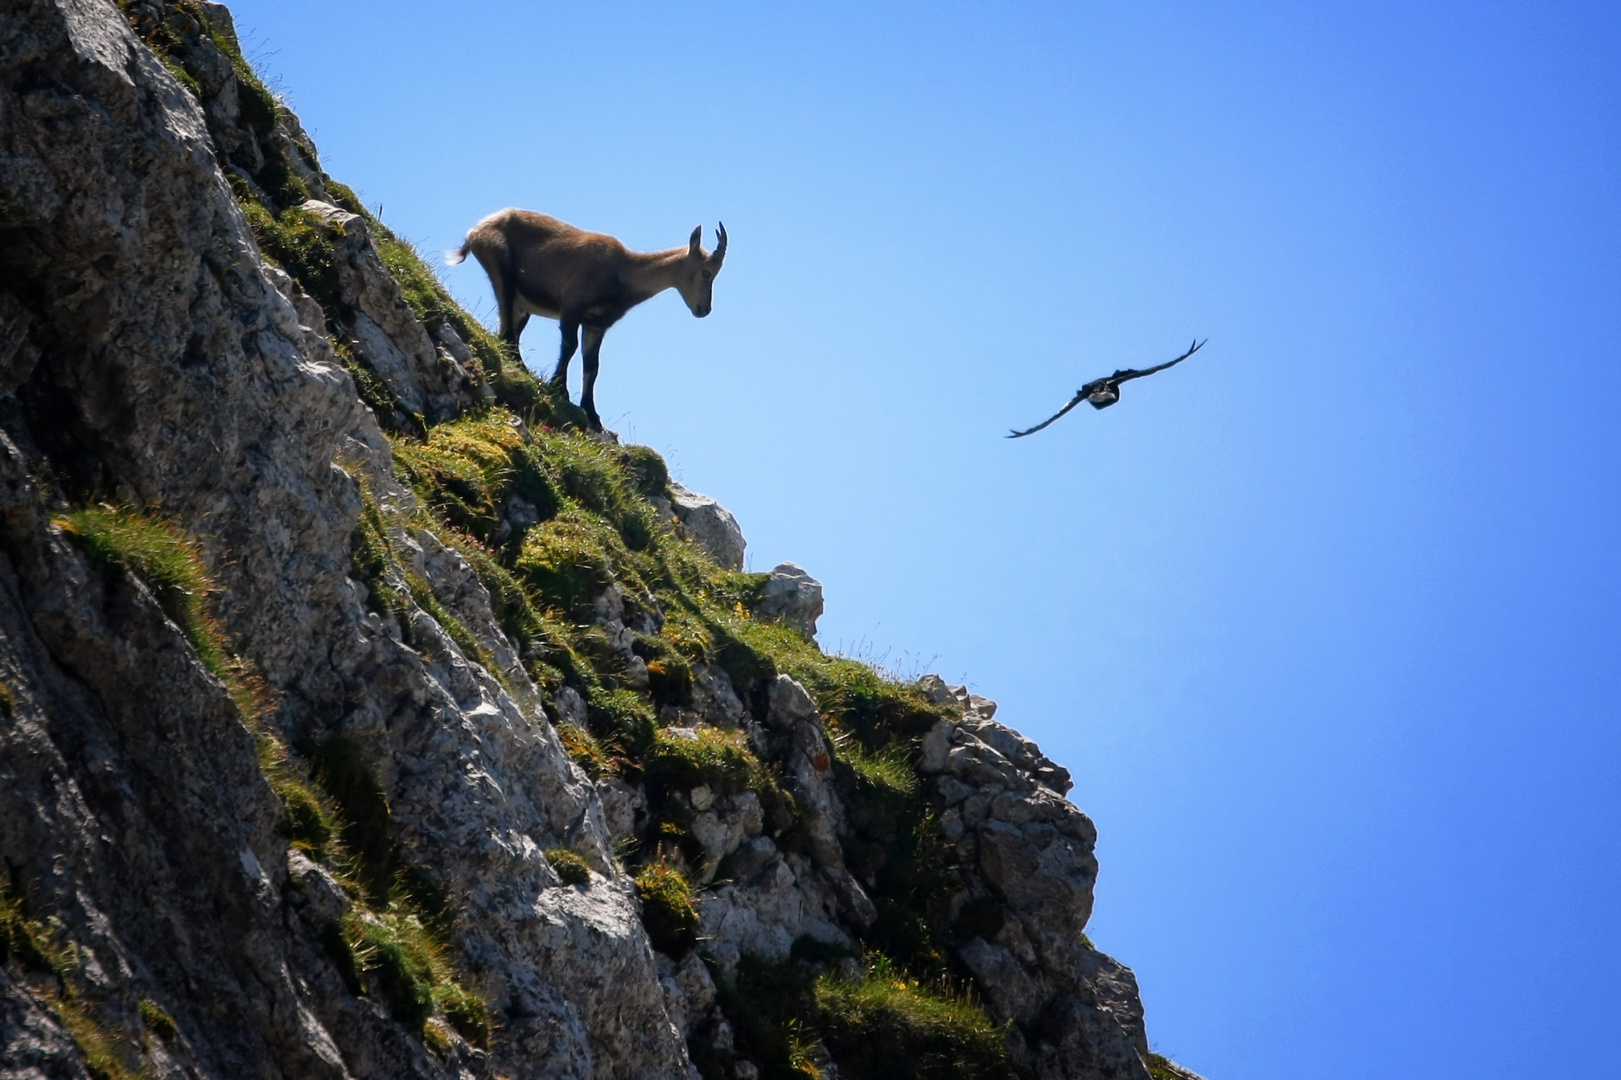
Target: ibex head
x=696 y=279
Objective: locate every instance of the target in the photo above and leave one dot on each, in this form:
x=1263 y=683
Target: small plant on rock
x=667 y=911
x=570 y=867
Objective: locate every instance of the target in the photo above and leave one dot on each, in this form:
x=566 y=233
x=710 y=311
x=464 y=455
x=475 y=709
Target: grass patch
x=682 y=759
x=102 y=1054
x=301 y=242
x=587 y=750
x=571 y=868
x=313 y=822
x=667 y=911
x=1161 y=1067
x=399 y=952
x=363 y=816
x=889 y=769
x=405 y=960
x=885 y=1025
x=890 y=1025
x=158 y=1021
x=160 y=554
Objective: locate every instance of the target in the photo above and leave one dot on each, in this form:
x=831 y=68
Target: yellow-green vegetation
x=571 y=868
x=105 y=1056
x=171 y=565
x=886 y=1023
x=1159 y=1067
x=399 y=929
x=683 y=759
x=890 y=1024
x=408 y=961
x=162 y=556
x=157 y=1020
x=667 y=911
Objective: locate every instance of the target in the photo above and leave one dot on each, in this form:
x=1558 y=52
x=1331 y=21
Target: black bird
x=1101 y=393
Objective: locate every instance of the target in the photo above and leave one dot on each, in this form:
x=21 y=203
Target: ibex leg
x=512 y=319
x=588 y=397
x=571 y=341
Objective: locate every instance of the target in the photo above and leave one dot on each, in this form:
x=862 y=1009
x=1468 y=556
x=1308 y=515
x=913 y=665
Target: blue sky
x=1324 y=620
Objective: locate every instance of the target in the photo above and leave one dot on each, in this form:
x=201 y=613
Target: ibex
x=540 y=266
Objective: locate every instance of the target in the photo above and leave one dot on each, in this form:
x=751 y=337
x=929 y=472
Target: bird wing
x=1131 y=373
x=1080 y=396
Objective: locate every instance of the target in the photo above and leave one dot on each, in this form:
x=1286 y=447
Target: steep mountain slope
x=362 y=716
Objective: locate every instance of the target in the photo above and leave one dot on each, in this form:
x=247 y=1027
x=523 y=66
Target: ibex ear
x=694 y=248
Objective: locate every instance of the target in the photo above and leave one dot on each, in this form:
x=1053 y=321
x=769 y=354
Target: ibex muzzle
x=541 y=266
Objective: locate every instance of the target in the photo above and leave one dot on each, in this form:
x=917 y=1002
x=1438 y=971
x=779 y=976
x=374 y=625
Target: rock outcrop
x=709 y=525
x=395 y=797
x=793 y=597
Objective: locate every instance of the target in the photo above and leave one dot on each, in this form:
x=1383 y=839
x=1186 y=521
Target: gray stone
x=714 y=698
x=793 y=597
x=709 y=525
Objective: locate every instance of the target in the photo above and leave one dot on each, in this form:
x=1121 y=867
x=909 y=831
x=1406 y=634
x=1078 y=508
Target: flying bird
x=1101 y=393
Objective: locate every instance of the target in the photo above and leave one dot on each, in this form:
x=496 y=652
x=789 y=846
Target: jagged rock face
x=151 y=356
x=1025 y=859
x=153 y=359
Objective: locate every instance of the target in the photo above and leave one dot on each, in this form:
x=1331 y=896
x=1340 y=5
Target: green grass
x=718 y=759
x=104 y=1055
x=1159 y=1067
x=588 y=751
x=887 y=1024
x=161 y=555
x=667 y=911
x=891 y=1025
x=397 y=949
x=889 y=769
x=157 y=1021
x=571 y=868
x=158 y=552
x=407 y=961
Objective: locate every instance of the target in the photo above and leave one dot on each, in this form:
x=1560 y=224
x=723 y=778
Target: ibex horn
x=720 y=245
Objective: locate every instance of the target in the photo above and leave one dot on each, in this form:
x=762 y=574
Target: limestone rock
x=793 y=597
x=383 y=330
x=709 y=525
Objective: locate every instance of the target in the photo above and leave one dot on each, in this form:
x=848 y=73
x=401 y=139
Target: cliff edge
x=362 y=716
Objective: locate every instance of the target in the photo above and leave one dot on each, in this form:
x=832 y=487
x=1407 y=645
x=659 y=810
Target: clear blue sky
x=1325 y=621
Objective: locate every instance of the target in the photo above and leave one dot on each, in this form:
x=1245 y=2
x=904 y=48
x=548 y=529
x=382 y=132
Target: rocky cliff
x=361 y=716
